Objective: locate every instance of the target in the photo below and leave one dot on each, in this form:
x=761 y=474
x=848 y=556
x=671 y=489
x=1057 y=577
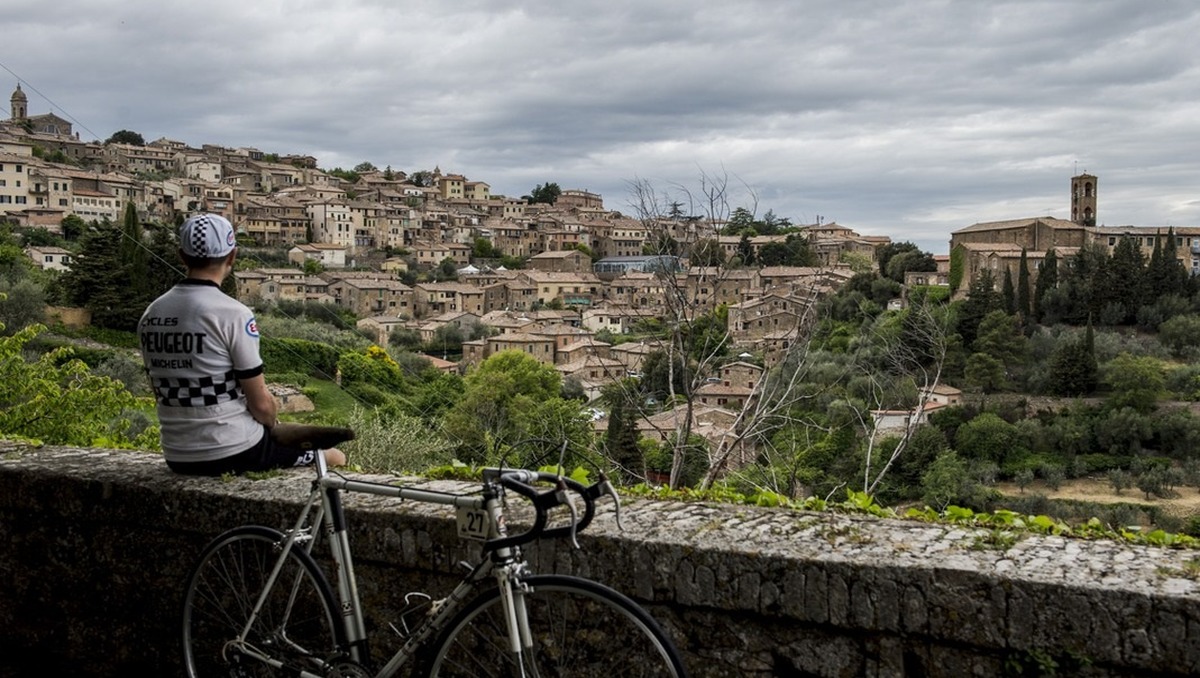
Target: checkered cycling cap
x=207 y=235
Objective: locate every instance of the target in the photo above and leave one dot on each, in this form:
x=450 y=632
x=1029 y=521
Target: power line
x=174 y=267
x=28 y=84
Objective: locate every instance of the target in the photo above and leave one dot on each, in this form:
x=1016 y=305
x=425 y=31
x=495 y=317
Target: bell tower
x=20 y=104
x=1083 y=199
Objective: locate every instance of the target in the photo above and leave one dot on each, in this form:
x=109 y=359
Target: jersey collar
x=199 y=282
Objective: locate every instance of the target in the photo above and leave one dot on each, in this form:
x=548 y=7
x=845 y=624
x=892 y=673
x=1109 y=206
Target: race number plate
x=472 y=523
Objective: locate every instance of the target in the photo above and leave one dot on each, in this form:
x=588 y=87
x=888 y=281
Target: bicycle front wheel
x=297 y=625
x=578 y=628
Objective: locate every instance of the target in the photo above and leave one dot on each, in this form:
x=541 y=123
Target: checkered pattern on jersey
x=181 y=392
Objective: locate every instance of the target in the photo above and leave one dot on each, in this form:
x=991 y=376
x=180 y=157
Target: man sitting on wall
x=201 y=349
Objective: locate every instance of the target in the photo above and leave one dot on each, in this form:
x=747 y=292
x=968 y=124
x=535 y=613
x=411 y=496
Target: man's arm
x=259 y=400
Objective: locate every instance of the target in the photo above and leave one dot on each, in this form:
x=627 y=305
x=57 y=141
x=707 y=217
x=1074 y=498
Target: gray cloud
x=910 y=119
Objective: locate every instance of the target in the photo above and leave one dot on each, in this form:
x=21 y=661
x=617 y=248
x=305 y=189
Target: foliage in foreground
x=58 y=400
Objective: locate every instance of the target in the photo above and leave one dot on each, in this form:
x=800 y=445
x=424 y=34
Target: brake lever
x=564 y=497
x=606 y=487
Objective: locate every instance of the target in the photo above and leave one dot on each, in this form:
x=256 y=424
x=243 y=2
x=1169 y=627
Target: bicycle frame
x=324 y=510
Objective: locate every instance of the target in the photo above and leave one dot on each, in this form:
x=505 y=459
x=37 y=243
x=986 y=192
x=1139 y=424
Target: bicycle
x=258 y=604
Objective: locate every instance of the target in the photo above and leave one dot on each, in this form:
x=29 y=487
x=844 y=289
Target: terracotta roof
x=1017 y=223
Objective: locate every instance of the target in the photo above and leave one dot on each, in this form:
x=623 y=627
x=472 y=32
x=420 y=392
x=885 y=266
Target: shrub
x=299 y=355
x=389 y=441
x=989 y=437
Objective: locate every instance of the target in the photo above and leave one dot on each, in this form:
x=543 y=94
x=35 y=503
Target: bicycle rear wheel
x=297 y=625
x=579 y=628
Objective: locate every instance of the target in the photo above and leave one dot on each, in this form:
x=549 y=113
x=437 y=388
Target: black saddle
x=309 y=437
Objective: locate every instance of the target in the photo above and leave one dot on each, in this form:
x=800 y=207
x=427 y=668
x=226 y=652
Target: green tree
x=909 y=260
x=58 y=400
x=988 y=437
x=985 y=373
x=746 y=250
x=1125 y=280
x=1008 y=293
x=886 y=253
x=1073 y=368
x=1134 y=381
x=22 y=303
x=999 y=336
x=1046 y=281
x=1165 y=274
x=741 y=221
x=97 y=282
x=621 y=441
x=1181 y=334
x=72 y=227
x=547 y=193
x=421 y=178
x=482 y=248
x=126 y=137
x=771 y=224
x=133 y=253
x=1024 y=303
x=947 y=482
x=793 y=251
x=446 y=339
x=494 y=394
x=982 y=298
x=118 y=272
x=40 y=237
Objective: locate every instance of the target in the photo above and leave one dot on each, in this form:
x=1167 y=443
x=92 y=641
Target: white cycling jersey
x=196 y=343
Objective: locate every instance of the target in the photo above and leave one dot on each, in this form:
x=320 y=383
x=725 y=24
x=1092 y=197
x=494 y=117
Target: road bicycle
x=258 y=604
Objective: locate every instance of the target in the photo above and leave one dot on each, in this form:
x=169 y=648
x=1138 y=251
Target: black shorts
x=264 y=456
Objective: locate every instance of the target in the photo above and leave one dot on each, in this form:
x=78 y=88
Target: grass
x=332 y=403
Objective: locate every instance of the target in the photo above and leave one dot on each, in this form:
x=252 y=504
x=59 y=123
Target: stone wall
x=97 y=544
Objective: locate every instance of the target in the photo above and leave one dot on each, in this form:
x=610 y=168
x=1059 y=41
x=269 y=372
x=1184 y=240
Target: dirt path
x=1100 y=491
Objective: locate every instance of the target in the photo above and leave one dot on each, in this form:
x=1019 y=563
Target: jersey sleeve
x=244 y=346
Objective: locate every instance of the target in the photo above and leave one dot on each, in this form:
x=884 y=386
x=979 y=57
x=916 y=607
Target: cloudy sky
x=904 y=118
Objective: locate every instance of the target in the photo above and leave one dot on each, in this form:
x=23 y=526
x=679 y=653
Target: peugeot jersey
x=196 y=343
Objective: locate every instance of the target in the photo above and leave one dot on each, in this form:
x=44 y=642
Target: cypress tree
x=1023 y=301
x=1174 y=276
x=1047 y=280
x=982 y=299
x=745 y=249
x=1124 y=282
x=1156 y=272
x=1007 y=294
x=133 y=252
x=621 y=442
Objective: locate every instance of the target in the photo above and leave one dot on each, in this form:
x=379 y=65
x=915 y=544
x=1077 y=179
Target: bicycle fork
x=512 y=601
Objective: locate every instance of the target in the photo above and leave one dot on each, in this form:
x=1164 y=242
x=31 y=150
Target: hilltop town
x=586 y=267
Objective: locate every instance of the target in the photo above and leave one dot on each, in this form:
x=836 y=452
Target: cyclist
x=200 y=348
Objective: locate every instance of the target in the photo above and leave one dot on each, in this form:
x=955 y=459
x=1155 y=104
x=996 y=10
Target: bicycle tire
x=222 y=590
x=579 y=628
